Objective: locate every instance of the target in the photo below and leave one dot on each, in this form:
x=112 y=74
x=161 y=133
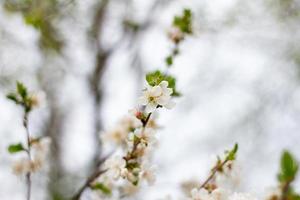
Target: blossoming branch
x=36 y=148
x=134 y=136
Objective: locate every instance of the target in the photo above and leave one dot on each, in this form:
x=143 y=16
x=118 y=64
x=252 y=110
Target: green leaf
x=156 y=77
x=13 y=97
x=15 y=148
x=232 y=153
x=289 y=167
x=21 y=89
x=169 y=60
x=184 y=22
x=34 y=20
x=103 y=188
x=172 y=84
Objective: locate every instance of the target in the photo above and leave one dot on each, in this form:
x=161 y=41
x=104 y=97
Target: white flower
x=128 y=189
x=38 y=99
x=203 y=194
x=21 y=166
x=132 y=176
x=147 y=141
x=117 y=135
x=157 y=95
x=24 y=166
x=241 y=196
x=131 y=122
x=219 y=194
x=148 y=173
x=230 y=177
x=39 y=151
x=116 y=167
x=42 y=146
x=147 y=136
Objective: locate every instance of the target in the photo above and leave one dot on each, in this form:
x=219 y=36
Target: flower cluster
x=136 y=133
x=119 y=133
x=211 y=189
x=39 y=151
x=219 y=194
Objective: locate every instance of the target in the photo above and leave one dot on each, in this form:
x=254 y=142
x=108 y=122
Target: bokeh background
x=239 y=76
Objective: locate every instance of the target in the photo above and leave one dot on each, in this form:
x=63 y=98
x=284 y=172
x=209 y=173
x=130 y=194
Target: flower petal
x=150 y=107
x=155 y=91
x=143 y=100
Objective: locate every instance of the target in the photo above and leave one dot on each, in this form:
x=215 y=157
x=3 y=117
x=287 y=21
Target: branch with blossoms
x=135 y=134
x=213 y=188
x=37 y=148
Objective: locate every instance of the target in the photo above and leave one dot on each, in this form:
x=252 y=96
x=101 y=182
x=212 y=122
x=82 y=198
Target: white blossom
x=230 y=176
x=119 y=134
x=203 y=194
x=39 y=151
x=21 y=166
x=241 y=196
x=116 y=167
x=157 y=95
x=131 y=122
x=147 y=136
x=148 y=173
x=38 y=99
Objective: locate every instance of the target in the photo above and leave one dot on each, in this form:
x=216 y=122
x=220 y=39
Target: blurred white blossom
x=159 y=95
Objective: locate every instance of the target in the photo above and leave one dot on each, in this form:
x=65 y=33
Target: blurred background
x=239 y=76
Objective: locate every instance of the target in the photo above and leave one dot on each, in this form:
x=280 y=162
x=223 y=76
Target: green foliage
x=156 y=77
x=21 y=97
x=288 y=172
x=15 y=148
x=22 y=90
x=184 y=22
x=13 y=97
x=103 y=188
x=169 y=60
x=288 y=167
x=40 y=15
x=231 y=155
x=172 y=84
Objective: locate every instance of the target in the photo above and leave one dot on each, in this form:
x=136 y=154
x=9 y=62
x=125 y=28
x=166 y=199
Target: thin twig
x=87 y=184
x=213 y=173
x=91 y=178
x=28 y=175
x=285 y=190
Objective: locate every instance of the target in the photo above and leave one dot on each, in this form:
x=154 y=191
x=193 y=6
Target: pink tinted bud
x=138 y=114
